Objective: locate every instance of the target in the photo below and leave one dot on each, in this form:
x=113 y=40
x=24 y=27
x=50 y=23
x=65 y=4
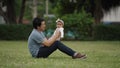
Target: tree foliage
x=95 y=7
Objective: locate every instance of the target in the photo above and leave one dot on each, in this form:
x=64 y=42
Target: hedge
x=100 y=32
x=15 y=32
x=107 y=32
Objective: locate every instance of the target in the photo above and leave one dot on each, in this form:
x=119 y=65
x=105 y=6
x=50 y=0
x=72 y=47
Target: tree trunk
x=2 y=13
x=98 y=13
x=35 y=8
x=22 y=11
x=11 y=11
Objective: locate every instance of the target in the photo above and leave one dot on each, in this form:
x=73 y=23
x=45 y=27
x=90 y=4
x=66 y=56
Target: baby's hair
x=59 y=20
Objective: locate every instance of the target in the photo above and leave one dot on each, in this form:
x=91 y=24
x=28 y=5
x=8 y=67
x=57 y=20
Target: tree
x=35 y=8
x=2 y=12
x=22 y=11
x=103 y=5
x=95 y=7
x=98 y=13
x=9 y=15
x=63 y=7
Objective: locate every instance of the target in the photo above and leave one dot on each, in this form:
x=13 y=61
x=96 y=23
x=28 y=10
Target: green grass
x=100 y=54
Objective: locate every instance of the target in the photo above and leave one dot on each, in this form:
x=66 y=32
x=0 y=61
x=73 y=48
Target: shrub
x=100 y=32
x=80 y=24
x=15 y=32
x=107 y=32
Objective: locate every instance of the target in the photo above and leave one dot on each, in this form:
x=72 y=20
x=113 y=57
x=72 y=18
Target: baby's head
x=60 y=23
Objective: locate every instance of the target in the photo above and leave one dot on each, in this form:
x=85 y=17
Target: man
x=41 y=47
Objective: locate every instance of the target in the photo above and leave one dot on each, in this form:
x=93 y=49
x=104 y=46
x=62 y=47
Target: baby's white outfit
x=62 y=33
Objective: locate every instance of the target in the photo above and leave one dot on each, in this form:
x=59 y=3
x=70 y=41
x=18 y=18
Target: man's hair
x=37 y=22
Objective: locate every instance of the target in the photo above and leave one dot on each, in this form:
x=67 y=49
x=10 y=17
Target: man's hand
x=57 y=32
x=52 y=39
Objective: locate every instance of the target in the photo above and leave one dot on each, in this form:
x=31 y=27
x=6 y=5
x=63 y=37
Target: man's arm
x=51 y=40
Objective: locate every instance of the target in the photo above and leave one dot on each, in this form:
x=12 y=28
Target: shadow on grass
x=59 y=57
x=53 y=57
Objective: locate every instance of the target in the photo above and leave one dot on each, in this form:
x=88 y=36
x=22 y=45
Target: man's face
x=42 y=27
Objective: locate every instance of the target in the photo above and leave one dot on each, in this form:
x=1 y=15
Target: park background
x=91 y=27
x=84 y=19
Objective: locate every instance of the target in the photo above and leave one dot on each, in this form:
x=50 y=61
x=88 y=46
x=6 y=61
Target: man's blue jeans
x=44 y=52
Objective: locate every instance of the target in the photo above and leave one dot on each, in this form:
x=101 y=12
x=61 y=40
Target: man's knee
x=57 y=42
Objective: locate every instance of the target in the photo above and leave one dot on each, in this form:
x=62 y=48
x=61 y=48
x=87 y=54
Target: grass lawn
x=100 y=54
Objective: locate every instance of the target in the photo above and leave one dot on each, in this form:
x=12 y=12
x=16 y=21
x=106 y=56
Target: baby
x=59 y=25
